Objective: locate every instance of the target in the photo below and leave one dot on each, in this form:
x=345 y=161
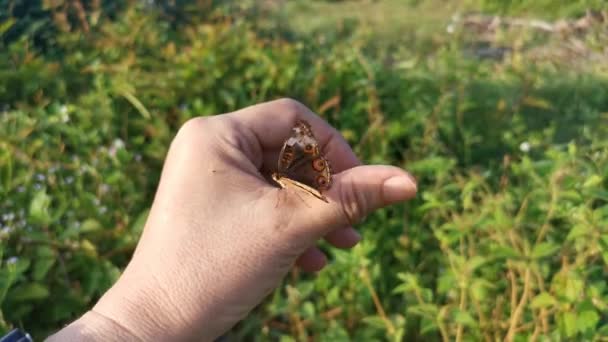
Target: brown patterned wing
x=300 y=160
x=309 y=168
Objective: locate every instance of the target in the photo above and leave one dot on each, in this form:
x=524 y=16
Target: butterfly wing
x=307 y=166
x=300 y=159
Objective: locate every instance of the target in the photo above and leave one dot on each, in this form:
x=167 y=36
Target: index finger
x=271 y=123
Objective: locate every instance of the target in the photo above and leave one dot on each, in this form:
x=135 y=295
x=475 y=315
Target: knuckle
x=238 y=139
x=353 y=202
x=195 y=135
x=291 y=106
x=193 y=129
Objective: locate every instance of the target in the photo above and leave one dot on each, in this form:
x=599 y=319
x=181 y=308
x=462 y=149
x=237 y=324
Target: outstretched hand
x=220 y=236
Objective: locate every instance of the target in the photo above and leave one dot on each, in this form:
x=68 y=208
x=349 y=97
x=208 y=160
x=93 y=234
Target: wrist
x=93 y=326
x=145 y=308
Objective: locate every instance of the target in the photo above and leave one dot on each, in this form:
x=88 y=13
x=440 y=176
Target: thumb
x=357 y=192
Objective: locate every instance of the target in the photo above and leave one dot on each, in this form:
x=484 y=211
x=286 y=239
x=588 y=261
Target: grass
x=506 y=240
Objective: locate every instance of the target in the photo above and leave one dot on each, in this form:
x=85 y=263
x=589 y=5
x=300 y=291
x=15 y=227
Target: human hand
x=220 y=237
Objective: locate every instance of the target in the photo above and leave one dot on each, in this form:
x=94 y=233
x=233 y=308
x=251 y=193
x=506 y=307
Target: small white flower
x=40 y=177
x=524 y=147
x=12 y=260
x=118 y=143
x=65 y=116
x=69 y=180
x=450 y=28
x=53 y=169
x=104 y=188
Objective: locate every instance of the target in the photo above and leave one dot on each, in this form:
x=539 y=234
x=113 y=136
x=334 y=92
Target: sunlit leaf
x=543 y=300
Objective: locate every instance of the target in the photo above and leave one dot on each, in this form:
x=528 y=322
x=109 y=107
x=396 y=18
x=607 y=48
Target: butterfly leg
x=278 y=195
x=301 y=199
x=283 y=193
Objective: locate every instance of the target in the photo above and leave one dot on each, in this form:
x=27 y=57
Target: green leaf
x=474 y=263
x=51 y=4
x=136 y=103
x=506 y=252
x=537 y=102
x=464 y=318
x=587 y=320
x=568 y=324
x=598 y=193
x=479 y=288
x=578 y=231
x=90 y=226
x=29 y=292
x=308 y=310
x=544 y=249
x=6 y=280
x=425 y=310
x=7 y=173
x=19 y=266
x=574 y=287
x=543 y=300
x=593 y=181
x=39 y=208
x=6 y=25
x=42 y=267
x=409 y=280
x=375 y=321
x=138 y=226
x=428 y=325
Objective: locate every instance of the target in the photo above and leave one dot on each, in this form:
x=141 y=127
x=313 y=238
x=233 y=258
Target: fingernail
x=356 y=236
x=399 y=188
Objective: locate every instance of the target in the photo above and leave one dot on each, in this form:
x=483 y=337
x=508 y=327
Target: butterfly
x=301 y=164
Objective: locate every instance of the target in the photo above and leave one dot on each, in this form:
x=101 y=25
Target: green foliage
x=545 y=8
x=506 y=239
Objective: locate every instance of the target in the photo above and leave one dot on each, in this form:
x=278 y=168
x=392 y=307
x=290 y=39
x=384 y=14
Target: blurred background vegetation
x=499 y=108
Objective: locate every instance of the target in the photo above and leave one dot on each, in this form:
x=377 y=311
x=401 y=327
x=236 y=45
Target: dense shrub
x=507 y=237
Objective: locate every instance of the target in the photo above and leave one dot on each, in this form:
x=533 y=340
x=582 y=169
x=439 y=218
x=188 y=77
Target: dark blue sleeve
x=16 y=336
